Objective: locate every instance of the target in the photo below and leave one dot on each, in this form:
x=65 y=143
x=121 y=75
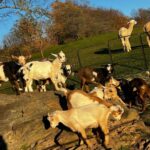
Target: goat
x=77 y=98
x=100 y=94
x=126 y=93
x=89 y=75
x=8 y=70
x=147 y=31
x=142 y=90
x=41 y=70
x=125 y=33
x=107 y=93
x=111 y=94
x=65 y=72
x=89 y=116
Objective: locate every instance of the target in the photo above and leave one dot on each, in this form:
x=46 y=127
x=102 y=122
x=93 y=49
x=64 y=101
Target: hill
x=22 y=118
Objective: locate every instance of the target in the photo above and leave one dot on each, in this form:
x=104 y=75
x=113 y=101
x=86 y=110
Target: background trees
x=40 y=24
x=72 y=21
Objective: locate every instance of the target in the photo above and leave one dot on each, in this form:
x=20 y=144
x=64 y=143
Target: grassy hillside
x=93 y=51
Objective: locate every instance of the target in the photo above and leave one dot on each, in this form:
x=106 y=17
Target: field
x=22 y=117
x=94 y=52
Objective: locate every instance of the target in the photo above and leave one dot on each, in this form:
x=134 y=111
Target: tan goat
x=147 y=31
x=89 y=116
x=125 y=33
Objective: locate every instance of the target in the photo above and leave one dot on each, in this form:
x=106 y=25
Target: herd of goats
x=86 y=108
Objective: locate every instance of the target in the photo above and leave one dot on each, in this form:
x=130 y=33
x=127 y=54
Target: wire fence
x=130 y=62
x=126 y=63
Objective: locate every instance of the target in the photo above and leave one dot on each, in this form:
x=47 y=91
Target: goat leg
x=57 y=136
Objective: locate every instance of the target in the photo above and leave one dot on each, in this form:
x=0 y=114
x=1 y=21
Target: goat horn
x=55 y=55
x=14 y=57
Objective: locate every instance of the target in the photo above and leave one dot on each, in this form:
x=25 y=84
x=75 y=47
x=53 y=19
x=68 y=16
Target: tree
x=70 y=20
x=65 y=21
x=34 y=8
x=26 y=34
x=142 y=16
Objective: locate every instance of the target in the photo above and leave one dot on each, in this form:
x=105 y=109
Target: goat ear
x=55 y=55
x=61 y=51
x=14 y=57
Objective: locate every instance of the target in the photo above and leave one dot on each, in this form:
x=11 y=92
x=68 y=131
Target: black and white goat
x=89 y=75
x=8 y=70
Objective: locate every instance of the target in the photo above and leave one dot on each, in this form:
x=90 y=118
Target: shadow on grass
x=131 y=67
x=116 y=51
x=106 y=51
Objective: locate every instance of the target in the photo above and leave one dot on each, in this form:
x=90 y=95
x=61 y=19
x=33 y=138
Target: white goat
x=89 y=116
x=65 y=71
x=77 y=98
x=41 y=70
x=147 y=31
x=125 y=33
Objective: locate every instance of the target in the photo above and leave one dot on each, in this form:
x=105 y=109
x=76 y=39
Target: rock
x=23 y=126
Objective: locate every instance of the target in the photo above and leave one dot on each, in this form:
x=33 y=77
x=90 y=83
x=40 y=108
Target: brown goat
x=95 y=76
x=142 y=90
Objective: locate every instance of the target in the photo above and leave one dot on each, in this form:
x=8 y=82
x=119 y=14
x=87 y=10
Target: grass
x=93 y=51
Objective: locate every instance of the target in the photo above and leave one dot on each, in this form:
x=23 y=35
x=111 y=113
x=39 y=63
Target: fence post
x=110 y=54
x=78 y=55
x=143 y=51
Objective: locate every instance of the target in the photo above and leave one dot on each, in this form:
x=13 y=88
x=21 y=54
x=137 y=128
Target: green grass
x=93 y=51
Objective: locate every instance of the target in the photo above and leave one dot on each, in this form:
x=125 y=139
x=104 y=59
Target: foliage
x=64 y=22
x=73 y=21
x=25 y=35
x=142 y=16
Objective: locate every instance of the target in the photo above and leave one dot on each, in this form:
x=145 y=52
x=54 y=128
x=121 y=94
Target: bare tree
x=34 y=8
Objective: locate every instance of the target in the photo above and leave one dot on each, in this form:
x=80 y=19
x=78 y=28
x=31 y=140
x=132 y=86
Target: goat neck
x=57 y=63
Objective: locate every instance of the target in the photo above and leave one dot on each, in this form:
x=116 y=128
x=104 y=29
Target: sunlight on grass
x=93 y=51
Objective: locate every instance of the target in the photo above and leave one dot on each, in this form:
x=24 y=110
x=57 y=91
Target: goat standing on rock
x=89 y=116
x=65 y=72
x=41 y=70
